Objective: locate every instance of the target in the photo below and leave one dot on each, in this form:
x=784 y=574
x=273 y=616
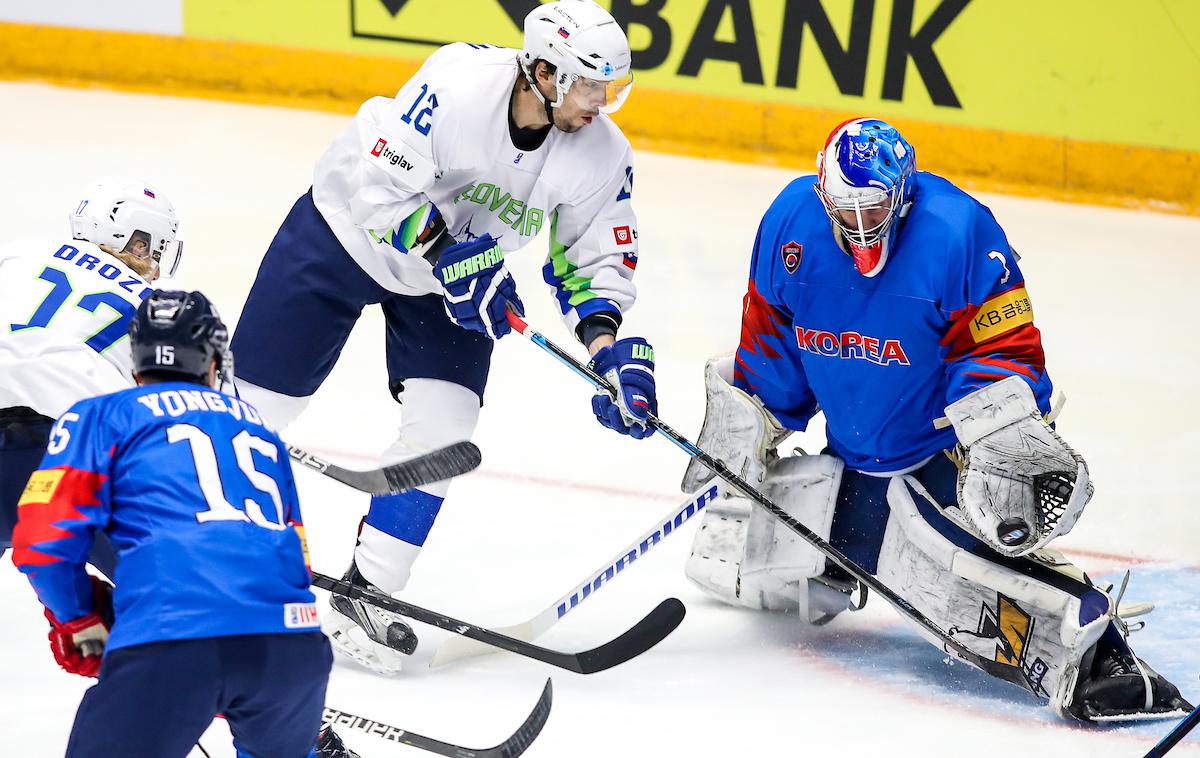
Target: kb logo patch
x=791 y=256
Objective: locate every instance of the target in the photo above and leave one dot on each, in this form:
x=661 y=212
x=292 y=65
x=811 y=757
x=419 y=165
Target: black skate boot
x=1114 y=685
x=371 y=636
x=329 y=745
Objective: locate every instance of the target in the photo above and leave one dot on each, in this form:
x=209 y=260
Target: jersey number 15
x=204 y=455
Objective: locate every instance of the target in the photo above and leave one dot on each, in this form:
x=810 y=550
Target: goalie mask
x=133 y=222
x=865 y=179
x=587 y=48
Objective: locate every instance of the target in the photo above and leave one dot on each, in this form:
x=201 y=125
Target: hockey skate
x=370 y=636
x=1116 y=685
x=329 y=745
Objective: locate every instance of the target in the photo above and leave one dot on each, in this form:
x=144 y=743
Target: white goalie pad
x=746 y=557
x=1019 y=484
x=1033 y=633
x=737 y=429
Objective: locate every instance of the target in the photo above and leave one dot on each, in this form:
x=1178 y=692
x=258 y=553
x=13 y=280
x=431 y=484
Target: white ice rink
x=1114 y=293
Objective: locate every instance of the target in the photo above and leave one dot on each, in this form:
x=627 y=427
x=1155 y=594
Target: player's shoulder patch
x=41 y=486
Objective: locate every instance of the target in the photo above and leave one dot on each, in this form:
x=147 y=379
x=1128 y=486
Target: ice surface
x=557 y=495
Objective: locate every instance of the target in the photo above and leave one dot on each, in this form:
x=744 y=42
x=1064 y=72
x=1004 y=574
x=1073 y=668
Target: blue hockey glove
x=628 y=365
x=476 y=286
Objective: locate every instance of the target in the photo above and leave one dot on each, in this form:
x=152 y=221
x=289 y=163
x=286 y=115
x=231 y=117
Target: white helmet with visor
x=586 y=46
x=118 y=214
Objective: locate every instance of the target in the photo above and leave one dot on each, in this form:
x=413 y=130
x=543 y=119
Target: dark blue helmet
x=178 y=332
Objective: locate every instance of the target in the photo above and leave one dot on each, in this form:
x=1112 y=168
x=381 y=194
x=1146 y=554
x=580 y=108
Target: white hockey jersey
x=65 y=309
x=444 y=139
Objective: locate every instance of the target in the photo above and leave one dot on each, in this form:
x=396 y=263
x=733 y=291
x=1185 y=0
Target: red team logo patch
x=379 y=146
x=791 y=256
x=623 y=235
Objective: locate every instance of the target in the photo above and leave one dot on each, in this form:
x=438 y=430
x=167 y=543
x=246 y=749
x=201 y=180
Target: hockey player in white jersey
x=65 y=307
x=413 y=207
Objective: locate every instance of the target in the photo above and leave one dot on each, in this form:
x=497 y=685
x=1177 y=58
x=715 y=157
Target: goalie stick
x=515 y=745
x=634 y=641
x=457 y=648
x=443 y=463
x=949 y=645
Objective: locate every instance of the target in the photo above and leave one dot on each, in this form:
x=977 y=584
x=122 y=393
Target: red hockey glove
x=78 y=645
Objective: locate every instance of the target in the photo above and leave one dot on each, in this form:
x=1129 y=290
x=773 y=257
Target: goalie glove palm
x=628 y=365
x=1019 y=484
x=477 y=288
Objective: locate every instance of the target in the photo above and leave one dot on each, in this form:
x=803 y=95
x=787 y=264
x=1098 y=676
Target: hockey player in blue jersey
x=212 y=611
x=891 y=301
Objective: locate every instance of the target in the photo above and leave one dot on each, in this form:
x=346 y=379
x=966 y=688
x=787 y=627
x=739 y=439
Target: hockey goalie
x=891 y=301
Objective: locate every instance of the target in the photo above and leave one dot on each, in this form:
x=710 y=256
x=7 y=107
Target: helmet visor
x=606 y=95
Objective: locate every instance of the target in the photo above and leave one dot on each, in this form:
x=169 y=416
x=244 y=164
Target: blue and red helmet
x=865 y=178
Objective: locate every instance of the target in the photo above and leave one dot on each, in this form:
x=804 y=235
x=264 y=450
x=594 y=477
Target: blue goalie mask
x=865 y=179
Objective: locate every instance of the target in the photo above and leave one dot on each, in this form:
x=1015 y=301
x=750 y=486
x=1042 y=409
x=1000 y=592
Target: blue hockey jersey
x=198 y=499
x=881 y=357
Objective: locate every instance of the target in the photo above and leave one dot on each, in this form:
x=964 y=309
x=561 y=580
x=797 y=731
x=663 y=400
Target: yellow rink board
x=1021 y=126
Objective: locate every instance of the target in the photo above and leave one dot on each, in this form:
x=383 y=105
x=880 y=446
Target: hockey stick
x=443 y=463
x=1175 y=735
x=1008 y=673
x=518 y=743
x=457 y=648
x=634 y=641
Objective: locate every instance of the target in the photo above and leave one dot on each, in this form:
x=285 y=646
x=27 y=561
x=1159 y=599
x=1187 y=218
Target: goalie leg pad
x=1032 y=622
x=744 y=556
x=738 y=430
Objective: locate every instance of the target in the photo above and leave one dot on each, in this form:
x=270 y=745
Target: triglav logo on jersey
x=791 y=256
x=852 y=346
x=385 y=153
x=623 y=235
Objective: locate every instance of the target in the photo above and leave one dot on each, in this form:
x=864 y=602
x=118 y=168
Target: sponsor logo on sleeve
x=380 y=144
x=623 y=235
x=41 y=486
x=1001 y=314
x=300 y=615
x=791 y=253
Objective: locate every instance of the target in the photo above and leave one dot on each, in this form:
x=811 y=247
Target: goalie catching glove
x=477 y=287
x=1019 y=484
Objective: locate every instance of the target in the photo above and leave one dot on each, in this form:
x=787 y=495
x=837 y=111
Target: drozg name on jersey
x=106 y=270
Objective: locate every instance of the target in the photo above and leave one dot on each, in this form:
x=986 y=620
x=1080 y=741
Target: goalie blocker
x=932 y=535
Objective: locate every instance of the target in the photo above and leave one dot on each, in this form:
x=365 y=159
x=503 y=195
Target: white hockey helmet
x=584 y=43
x=115 y=212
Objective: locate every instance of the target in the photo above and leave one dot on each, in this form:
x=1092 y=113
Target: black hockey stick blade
x=515 y=745
x=636 y=640
x=1175 y=735
x=443 y=463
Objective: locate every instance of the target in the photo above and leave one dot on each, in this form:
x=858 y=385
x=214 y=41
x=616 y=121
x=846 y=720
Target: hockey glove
x=628 y=365
x=78 y=645
x=476 y=286
x=1019 y=484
